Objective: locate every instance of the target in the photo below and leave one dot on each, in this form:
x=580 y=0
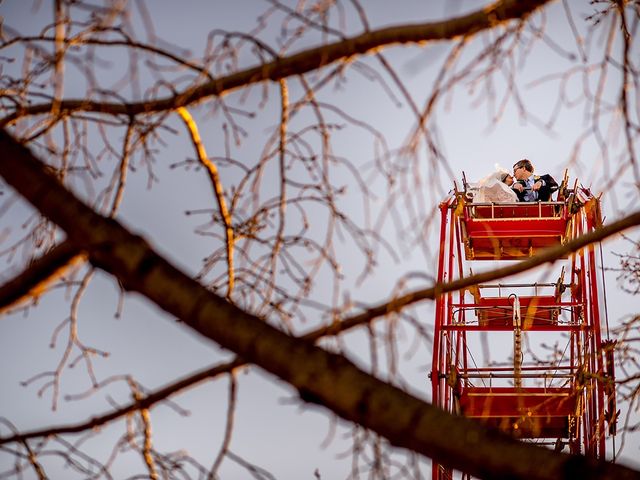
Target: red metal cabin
x=563 y=397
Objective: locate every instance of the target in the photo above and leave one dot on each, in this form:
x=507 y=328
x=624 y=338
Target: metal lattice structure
x=564 y=399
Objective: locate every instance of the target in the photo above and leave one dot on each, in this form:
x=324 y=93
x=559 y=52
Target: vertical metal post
x=517 y=343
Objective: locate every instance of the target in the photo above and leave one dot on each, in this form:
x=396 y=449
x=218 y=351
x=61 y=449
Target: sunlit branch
x=305 y=61
x=145 y=418
x=40 y=275
x=282 y=148
x=218 y=190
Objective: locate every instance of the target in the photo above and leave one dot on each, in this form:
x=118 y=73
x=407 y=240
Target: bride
x=495 y=188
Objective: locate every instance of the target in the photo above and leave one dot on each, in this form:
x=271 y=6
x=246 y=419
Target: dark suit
x=549 y=186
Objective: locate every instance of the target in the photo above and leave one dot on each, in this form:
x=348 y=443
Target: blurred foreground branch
x=319 y=376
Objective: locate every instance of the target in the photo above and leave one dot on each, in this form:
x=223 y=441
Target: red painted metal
x=565 y=400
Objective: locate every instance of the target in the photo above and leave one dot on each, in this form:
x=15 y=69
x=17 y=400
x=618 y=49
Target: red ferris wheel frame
x=563 y=401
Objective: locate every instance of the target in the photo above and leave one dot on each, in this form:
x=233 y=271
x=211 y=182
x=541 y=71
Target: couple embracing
x=529 y=187
x=522 y=186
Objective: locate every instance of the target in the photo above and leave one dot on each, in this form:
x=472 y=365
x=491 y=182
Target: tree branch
x=549 y=255
x=137 y=404
x=35 y=279
x=218 y=191
x=319 y=376
x=308 y=60
x=395 y=305
x=61 y=255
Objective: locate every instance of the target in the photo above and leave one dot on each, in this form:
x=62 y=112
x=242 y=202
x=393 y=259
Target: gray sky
x=273 y=429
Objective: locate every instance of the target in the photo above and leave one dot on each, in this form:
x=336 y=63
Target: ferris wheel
x=530 y=358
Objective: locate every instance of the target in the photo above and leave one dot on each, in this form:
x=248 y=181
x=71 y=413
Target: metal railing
x=533 y=210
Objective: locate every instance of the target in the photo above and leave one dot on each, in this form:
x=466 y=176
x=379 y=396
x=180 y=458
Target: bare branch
x=548 y=255
x=319 y=376
x=305 y=61
x=137 y=404
x=226 y=442
x=216 y=184
x=38 y=276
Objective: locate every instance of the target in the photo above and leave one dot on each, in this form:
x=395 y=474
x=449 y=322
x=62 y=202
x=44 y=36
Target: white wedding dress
x=491 y=189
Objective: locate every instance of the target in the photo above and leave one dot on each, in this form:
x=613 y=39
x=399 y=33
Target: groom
x=530 y=187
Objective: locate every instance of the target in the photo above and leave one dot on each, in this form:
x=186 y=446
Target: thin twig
x=216 y=184
x=486 y=18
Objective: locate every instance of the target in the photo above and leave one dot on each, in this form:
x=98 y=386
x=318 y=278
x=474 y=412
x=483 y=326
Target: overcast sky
x=273 y=429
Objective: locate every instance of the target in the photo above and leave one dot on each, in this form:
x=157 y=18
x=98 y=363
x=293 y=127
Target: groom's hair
x=524 y=163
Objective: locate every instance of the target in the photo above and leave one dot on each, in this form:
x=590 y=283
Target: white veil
x=492 y=189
